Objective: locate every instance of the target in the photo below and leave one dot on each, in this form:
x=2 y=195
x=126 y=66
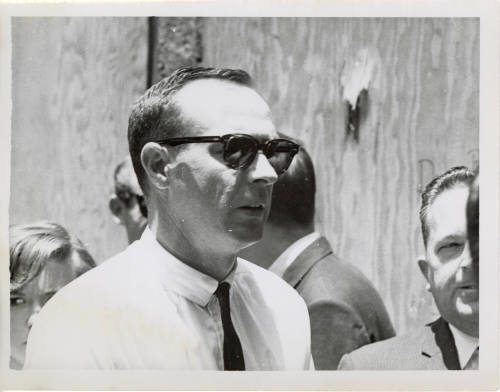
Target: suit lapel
x=439 y=347
x=306 y=260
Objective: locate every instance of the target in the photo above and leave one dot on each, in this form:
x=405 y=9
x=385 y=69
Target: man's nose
x=466 y=258
x=261 y=170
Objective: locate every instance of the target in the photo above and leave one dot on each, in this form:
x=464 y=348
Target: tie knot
x=222 y=291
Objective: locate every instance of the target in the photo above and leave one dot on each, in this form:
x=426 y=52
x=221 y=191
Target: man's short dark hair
x=155 y=115
x=450 y=178
x=294 y=193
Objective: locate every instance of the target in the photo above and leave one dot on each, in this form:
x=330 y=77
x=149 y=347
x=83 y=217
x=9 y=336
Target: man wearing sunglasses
x=206 y=154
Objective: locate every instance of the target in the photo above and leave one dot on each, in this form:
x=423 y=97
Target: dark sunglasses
x=240 y=149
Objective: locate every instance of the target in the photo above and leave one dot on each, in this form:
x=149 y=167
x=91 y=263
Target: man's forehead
x=446 y=214
x=200 y=89
x=221 y=103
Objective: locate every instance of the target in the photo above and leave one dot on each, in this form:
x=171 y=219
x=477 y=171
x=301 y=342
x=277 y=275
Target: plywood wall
x=73 y=81
x=418 y=118
x=75 y=78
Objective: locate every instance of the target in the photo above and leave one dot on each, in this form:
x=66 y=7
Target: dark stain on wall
x=173 y=43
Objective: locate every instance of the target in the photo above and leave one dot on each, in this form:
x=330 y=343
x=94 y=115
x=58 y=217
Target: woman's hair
x=33 y=245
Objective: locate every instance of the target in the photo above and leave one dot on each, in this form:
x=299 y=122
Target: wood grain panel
x=420 y=117
x=74 y=80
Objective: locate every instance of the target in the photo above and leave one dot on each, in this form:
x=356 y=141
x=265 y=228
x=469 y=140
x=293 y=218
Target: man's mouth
x=470 y=286
x=257 y=206
x=254 y=209
x=468 y=292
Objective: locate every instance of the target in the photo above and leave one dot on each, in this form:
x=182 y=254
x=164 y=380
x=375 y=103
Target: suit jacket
x=345 y=310
x=429 y=348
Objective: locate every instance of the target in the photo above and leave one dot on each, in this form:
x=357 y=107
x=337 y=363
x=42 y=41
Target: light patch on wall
x=355 y=81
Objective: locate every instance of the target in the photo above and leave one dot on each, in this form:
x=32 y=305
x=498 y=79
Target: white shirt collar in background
x=465 y=344
x=284 y=261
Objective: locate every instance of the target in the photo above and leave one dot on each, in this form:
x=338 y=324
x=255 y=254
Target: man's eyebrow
x=265 y=137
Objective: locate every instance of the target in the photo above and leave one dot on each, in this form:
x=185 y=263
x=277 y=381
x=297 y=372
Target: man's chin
x=464 y=317
x=467 y=309
x=246 y=236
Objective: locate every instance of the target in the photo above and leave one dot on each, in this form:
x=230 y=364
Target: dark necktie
x=233 y=353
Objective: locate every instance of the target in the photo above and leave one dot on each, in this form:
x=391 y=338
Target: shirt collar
x=284 y=260
x=465 y=345
x=177 y=276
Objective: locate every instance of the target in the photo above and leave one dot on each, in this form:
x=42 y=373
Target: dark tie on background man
x=233 y=353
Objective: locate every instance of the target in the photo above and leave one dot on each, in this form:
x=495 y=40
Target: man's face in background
x=452 y=277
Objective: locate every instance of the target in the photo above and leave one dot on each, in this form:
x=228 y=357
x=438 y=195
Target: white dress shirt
x=465 y=345
x=284 y=260
x=145 y=309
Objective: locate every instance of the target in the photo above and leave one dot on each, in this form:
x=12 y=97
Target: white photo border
x=485 y=378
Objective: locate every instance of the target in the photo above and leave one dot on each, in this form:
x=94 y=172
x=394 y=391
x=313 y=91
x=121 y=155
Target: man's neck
x=135 y=231
x=214 y=263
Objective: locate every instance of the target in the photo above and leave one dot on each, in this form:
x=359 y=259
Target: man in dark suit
x=345 y=310
x=450 y=342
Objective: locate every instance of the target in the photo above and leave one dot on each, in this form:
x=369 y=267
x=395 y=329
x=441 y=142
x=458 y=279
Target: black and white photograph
x=192 y=193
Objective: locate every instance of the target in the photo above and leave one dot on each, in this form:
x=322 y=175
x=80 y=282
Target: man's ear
x=117 y=207
x=154 y=159
x=424 y=268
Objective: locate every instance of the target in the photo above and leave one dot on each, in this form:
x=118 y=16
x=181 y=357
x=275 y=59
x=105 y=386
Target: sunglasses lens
x=280 y=154
x=240 y=151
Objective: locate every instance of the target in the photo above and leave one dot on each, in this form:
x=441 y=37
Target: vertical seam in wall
x=151 y=50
